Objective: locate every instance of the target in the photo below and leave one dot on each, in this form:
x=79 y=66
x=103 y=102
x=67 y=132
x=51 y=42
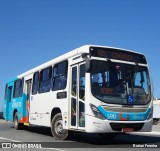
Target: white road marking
x=8 y=139
x=53 y=149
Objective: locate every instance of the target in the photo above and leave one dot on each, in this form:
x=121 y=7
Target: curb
x=147 y=133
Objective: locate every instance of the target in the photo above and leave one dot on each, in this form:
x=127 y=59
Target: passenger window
x=45 y=80
x=60 y=76
x=35 y=83
x=18 y=89
x=9 y=93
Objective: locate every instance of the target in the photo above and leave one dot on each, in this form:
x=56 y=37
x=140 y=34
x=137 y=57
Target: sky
x=33 y=32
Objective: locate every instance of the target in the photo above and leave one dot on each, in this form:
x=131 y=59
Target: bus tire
x=17 y=125
x=57 y=128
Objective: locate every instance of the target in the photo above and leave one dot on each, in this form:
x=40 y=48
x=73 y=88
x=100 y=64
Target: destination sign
x=117 y=54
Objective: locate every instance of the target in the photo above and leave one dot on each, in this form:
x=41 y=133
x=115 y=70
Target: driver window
x=141 y=81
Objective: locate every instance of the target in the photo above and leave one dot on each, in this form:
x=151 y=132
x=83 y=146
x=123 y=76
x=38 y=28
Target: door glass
x=78 y=96
x=74 y=98
x=73 y=111
x=81 y=114
x=74 y=81
x=82 y=96
x=82 y=82
x=28 y=89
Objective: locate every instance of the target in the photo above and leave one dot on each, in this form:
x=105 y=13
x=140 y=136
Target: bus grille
x=124 y=109
x=119 y=126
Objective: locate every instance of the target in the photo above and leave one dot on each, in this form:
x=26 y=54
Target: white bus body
x=74 y=92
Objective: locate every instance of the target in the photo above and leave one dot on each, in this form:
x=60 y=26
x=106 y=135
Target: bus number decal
x=111 y=116
x=16 y=104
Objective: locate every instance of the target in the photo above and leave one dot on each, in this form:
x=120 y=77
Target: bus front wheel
x=57 y=128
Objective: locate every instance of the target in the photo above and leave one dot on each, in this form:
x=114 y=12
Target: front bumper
x=95 y=125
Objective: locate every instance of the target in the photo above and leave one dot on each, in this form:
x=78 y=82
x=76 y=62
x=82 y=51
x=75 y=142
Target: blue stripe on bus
x=124 y=116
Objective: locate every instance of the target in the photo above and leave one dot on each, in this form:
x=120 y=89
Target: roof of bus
x=80 y=50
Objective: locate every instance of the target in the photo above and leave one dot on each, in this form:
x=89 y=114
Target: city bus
x=92 y=89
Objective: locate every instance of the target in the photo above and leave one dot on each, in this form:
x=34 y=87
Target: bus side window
x=60 y=76
x=21 y=87
x=9 y=93
x=45 y=80
x=5 y=95
x=18 y=87
x=35 y=83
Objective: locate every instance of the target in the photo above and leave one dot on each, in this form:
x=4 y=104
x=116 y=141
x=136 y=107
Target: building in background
x=156 y=111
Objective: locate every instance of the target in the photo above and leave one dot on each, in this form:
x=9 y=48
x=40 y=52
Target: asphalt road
x=42 y=137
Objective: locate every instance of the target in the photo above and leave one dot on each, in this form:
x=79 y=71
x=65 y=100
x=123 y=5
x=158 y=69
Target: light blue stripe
x=124 y=116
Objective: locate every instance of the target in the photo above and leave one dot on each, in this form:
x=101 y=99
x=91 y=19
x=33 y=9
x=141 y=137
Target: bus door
x=27 y=101
x=77 y=100
x=8 y=102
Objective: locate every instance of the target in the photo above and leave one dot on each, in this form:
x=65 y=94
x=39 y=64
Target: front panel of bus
x=119 y=93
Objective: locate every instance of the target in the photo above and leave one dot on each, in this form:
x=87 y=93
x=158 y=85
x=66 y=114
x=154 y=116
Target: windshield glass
x=115 y=82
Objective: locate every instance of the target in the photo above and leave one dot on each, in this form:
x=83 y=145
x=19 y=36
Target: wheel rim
x=59 y=127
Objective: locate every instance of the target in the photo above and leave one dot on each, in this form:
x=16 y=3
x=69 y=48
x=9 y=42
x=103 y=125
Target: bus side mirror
x=88 y=66
x=152 y=86
x=88 y=62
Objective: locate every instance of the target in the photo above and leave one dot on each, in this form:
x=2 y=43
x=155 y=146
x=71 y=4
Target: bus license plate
x=127 y=129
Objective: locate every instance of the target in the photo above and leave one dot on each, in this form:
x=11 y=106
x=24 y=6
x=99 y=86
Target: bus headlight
x=96 y=112
x=150 y=113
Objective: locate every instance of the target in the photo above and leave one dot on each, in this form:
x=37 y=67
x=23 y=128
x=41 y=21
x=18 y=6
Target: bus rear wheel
x=57 y=128
x=17 y=125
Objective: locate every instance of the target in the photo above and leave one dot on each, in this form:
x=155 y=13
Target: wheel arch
x=14 y=112
x=55 y=111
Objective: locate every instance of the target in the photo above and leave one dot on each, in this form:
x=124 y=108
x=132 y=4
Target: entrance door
x=28 y=90
x=77 y=100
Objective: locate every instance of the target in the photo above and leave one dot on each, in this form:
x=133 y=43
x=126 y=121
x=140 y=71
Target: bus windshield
x=113 y=82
